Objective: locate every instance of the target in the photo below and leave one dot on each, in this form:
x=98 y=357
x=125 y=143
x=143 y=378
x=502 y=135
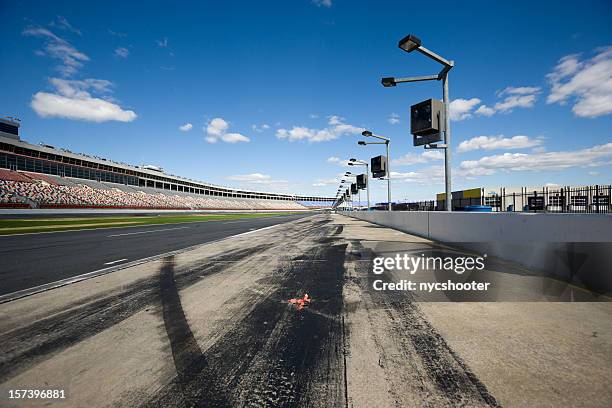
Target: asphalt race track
x=34 y=259
x=213 y=327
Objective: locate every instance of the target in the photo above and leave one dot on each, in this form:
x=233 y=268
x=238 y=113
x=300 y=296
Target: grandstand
x=41 y=176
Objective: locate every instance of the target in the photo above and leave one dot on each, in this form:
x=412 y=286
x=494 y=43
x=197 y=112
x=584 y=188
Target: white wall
x=496 y=227
x=576 y=248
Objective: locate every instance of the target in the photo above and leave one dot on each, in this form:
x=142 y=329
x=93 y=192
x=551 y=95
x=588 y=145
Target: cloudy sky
x=273 y=95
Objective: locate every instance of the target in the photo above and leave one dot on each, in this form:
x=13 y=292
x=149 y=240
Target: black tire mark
x=451 y=375
x=307 y=348
x=187 y=355
x=29 y=345
x=273 y=355
x=344 y=353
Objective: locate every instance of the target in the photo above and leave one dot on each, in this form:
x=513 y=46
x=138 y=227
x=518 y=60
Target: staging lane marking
x=145 y=232
x=114 y=262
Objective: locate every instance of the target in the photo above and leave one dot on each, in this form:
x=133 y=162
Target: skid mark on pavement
x=274 y=355
x=442 y=376
x=302 y=363
x=26 y=346
x=187 y=355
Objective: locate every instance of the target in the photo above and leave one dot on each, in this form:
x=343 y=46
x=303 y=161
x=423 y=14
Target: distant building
x=594 y=198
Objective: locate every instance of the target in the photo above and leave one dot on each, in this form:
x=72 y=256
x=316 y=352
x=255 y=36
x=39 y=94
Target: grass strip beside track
x=34 y=225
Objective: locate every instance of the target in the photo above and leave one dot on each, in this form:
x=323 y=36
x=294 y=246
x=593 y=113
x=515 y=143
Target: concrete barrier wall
x=576 y=248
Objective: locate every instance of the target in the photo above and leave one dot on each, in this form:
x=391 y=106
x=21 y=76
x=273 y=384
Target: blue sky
x=277 y=92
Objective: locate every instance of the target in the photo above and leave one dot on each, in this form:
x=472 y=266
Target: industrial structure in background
x=551 y=199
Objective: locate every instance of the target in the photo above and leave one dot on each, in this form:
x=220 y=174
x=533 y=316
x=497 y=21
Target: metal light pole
x=388 y=176
x=411 y=43
x=387 y=142
x=349 y=174
x=447 y=141
x=355 y=162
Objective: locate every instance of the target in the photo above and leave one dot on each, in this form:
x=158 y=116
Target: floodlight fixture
x=366 y=133
x=409 y=43
x=388 y=82
x=361 y=143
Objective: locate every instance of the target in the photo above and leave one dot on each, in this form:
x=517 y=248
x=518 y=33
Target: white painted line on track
x=9 y=297
x=256 y=230
x=114 y=262
x=145 y=232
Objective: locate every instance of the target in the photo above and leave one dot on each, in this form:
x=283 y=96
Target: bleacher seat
x=54 y=191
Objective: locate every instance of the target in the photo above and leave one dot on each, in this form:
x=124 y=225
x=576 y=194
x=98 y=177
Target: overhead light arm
x=369 y=143
x=416 y=79
x=435 y=56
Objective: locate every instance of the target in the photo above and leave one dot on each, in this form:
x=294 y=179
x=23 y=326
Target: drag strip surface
x=35 y=259
x=217 y=326
x=239 y=344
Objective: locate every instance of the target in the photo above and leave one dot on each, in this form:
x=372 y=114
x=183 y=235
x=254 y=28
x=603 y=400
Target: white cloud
x=253 y=177
x=163 y=43
x=58 y=48
x=336 y=128
x=217 y=127
x=234 y=138
x=216 y=130
x=515 y=101
x=587 y=83
x=427 y=176
x=433 y=155
x=256 y=179
x=498 y=142
x=335 y=120
x=515 y=97
x=394 y=119
x=461 y=109
x=412 y=158
x=122 y=52
x=322 y=3
x=74 y=101
x=261 y=128
x=484 y=110
x=338 y=161
x=63 y=24
x=327 y=182
x=186 y=127
x=520 y=90
x=590 y=157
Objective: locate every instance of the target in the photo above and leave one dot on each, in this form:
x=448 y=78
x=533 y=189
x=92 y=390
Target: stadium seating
x=25 y=189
